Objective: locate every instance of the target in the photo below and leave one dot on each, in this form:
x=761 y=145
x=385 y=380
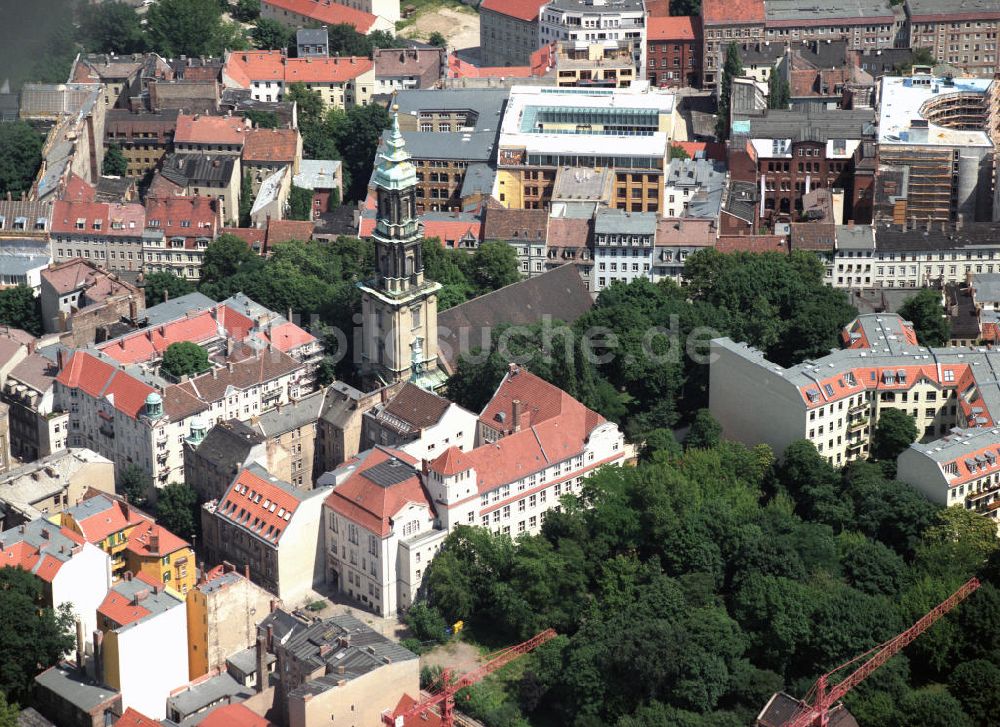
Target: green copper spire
x=395 y=171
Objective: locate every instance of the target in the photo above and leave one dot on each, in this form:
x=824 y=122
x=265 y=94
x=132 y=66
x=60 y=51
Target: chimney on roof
x=125 y=509
x=154 y=543
x=98 y=655
x=128 y=575
x=229 y=366
x=260 y=649
x=246 y=570
x=80 y=653
x=512 y=369
x=516 y=414
x=60 y=359
x=45 y=533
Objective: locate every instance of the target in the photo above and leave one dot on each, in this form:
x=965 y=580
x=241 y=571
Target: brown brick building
x=674 y=51
x=143 y=138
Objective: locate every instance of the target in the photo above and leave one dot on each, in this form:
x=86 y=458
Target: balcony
x=974 y=497
x=857 y=424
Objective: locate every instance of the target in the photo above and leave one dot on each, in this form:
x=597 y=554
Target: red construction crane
x=445 y=697
x=824 y=697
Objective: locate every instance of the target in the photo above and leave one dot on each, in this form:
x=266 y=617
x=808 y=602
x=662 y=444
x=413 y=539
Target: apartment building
x=273 y=527
x=140 y=618
x=119 y=74
x=157 y=553
x=961 y=33
x=674 y=51
x=266 y=151
x=213 y=459
x=289 y=436
x=694 y=188
x=935 y=156
x=143 y=138
x=543 y=129
x=365 y=16
x=388 y=513
x=798 y=151
x=185 y=226
x=602 y=64
x=107 y=522
x=38 y=427
x=398 y=69
x=594 y=20
x=219 y=177
x=71 y=570
x=623 y=246
x=342 y=82
x=419 y=423
x=78 y=296
x=508 y=31
x=865 y=25
x=223 y=610
x=524 y=230
x=210 y=135
x=725 y=22
x=111 y=235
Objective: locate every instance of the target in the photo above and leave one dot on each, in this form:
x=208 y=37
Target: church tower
x=399 y=307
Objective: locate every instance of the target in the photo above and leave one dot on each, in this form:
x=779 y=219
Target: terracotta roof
x=752 y=243
x=101 y=515
x=271 y=145
x=98 y=218
x=678 y=27
x=235 y=715
x=279 y=231
x=712 y=150
x=103 y=381
x=384 y=482
x=568 y=232
x=41 y=549
x=200 y=129
x=122 y=609
x=245 y=67
x=326 y=13
x=259 y=504
x=131 y=718
x=424 y=719
x=417 y=407
x=326 y=70
x=445 y=230
x=78 y=189
x=513 y=225
x=287 y=337
x=261 y=367
x=457 y=68
x=142 y=540
x=679 y=232
x=732 y=12
x=190 y=217
x=553 y=427
x=526 y=10
x=252 y=236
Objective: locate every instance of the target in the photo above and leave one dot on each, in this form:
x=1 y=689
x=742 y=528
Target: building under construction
x=935 y=160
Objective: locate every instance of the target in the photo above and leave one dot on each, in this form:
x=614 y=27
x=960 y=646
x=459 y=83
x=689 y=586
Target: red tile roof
x=98 y=218
x=110 y=520
x=326 y=70
x=101 y=380
x=271 y=145
x=261 y=65
x=279 y=231
x=457 y=68
x=259 y=505
x=752 y=243
x=200 y=129
x=526 y=10
x=131 y=718
x=119 y=608
x=444 y=230
x=554 y=427
x=372 y=505
x=189 y=217
x=732 y=12
x=141 y=541
x=712 y=149
x=235 y=715
x=287 y=337
x=424 y=719
x=252 y=236
x=678 y=27
x=22 y=554
x=326 y=13
x=79 y=190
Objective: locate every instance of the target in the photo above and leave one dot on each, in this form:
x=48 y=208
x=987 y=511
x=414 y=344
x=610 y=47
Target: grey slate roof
x=487 y=103
x=228 y=443
x=615 y=221
x=77 y=689
x=474 y=146
x=175 y=308
x=973 y=234
x=184 y=169
x=826 y=10
x=813 y=123
x=952 y=7
x=741 y=199
x=311 y=36
x=478 y=179
x=301 y=413
x=559 y=293
x=204 y=694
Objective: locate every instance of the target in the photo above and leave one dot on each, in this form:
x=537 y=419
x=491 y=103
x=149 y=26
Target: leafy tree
x=9 y=713
x=115 y=163
x=929 y=317
x=246 y=200
x=918 y=57
x=310 y=106
x=19 y=308
x=426 y=623
x=20 y=157
x=262 y=119
x=184 y=358
x=268 y=34
x=958 y=543
x=177 y=509
x=184 y=27
x=36 y=635
x=685 y=7
x=705 y=431
x=930 y=707
x=165 y=285
x=894 y=432
x=382 y=39
x=225 y=257
x=976 y=685
x=731 y=68
x=230 y=36
x=356 y=134
x=493 y=266
x=779 y=93
x=246 y=10
x=438 y=40
x=300 y=203
x=346 y=41
x=136 y=484
x=660 y=443
x=678 y=152
x=112 y=27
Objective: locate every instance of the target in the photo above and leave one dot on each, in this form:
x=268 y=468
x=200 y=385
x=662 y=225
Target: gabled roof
x=526 y=10
x=382 y=483
x=233 y=715
x=184 y=216
x=326 y=70
x=101 y=380
x=98 y=218
x=135 y=599
x=260 y=504
x=327 y=13
x=102 y=515
x=270 y=145
x=198 y=129
x=132 y=718
x=40 y=548
x=678 y=27
x=150 y=539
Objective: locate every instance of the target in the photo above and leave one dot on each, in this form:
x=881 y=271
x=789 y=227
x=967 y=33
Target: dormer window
x=97 y=224
x=153 y=223
x=40 y=223
x=117 y=225
x=20 y=223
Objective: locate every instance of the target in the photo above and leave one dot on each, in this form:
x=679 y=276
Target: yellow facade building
x=156 y=553
x=106 y=522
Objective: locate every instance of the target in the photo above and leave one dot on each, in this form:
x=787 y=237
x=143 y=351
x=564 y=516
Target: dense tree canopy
x=689 y=588
x=160 y=287
x=115 y=163
x=185 y=27
x=184 y=358
x=929 y=317
x=20 y=308
x=112 y=27
x=20 y=157
x=177 y=509
x=268 y=34
x=136 y=484
x=895 y=431
x=41 y=635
